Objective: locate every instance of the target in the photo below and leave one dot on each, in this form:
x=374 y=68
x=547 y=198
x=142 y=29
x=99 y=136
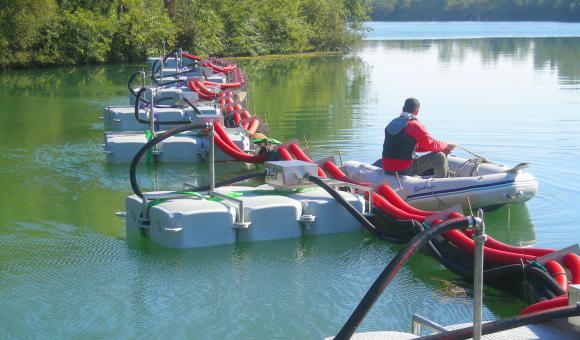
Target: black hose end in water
x=391 y=270
x=150 y=144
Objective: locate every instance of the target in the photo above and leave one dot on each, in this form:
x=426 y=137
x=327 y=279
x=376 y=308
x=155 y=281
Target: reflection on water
x=67 y=271
x=307 y=96
x=511 y=224
x=558 y=54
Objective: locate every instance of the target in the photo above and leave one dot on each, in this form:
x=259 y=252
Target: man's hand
x=450 y=146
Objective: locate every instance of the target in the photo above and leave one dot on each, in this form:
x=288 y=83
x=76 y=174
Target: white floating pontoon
x=242 y=214
x=122 y=117
x=187 y=147
x=472 y=184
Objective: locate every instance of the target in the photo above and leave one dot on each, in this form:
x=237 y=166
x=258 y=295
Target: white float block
x=191 y=223
x=133 y=210
x=330 y=217
x=182 y=148
x=208 y=111
x=217 y=78
x=120 y=147
x=122 y=118
x=271 y=217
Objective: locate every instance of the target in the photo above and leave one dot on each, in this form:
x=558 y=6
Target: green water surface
x=66 y=270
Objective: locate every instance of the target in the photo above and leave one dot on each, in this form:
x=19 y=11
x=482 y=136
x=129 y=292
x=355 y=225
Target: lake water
x=66 y=270
x=381 y=30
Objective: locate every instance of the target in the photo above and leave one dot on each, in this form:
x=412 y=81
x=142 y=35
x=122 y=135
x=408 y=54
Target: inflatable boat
x=473 y=184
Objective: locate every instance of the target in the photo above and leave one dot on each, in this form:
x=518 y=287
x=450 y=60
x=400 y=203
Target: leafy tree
x=85 y=38
x=20 y=25
x=143 y=28
x=60 y=32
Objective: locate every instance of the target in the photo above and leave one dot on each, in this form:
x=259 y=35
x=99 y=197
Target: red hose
x=219 y=129
x=223 y=85
x=238 y=155
x=398 y=202
x=559 y=301
x=237 y=118
x=284 y=154
x=201 y=95
x=495 y=244
x=460 y=240
x=387 y=207
x=254 y=126
x=224 y=69
x=298 y=153
x=336 y=173
x=204 y=89
x=572 y=262
x=558 y=273
x=498 y=252
x=491 y=255
x=191 y=56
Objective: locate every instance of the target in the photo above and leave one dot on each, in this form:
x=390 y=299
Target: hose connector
x=476 y=222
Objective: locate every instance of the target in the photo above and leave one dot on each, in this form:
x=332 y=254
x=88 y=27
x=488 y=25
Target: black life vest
x=398 y=144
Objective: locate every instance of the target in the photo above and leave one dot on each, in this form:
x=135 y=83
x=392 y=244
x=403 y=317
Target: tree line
x=492 y=10
x=74 y=32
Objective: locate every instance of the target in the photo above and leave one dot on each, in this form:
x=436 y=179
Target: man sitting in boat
x=404 y=136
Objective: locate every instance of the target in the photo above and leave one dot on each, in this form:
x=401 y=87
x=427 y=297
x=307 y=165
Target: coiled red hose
x=397 y=201
x=284 y=154
x=204 y=89
x=572 y=262
x=219 y=129
x=495 y=251
x=223 y=85
x=237 y=118
x=201 y=94
x=558 y=273
x=254 y=125
x=238 y=155
x=336 y=173
x=191 y=56
x=559 y=301
x=224 y=69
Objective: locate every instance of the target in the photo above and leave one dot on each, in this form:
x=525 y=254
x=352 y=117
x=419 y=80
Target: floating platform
x=559 y=329
x=188 y=147
x=238 y=214
x=173 y=65
x=122 y=117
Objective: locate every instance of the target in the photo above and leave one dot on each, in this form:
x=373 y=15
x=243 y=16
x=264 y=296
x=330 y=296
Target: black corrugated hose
x=505 y=324
x=138 y=100
x=165 y=135
x=391 y=270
